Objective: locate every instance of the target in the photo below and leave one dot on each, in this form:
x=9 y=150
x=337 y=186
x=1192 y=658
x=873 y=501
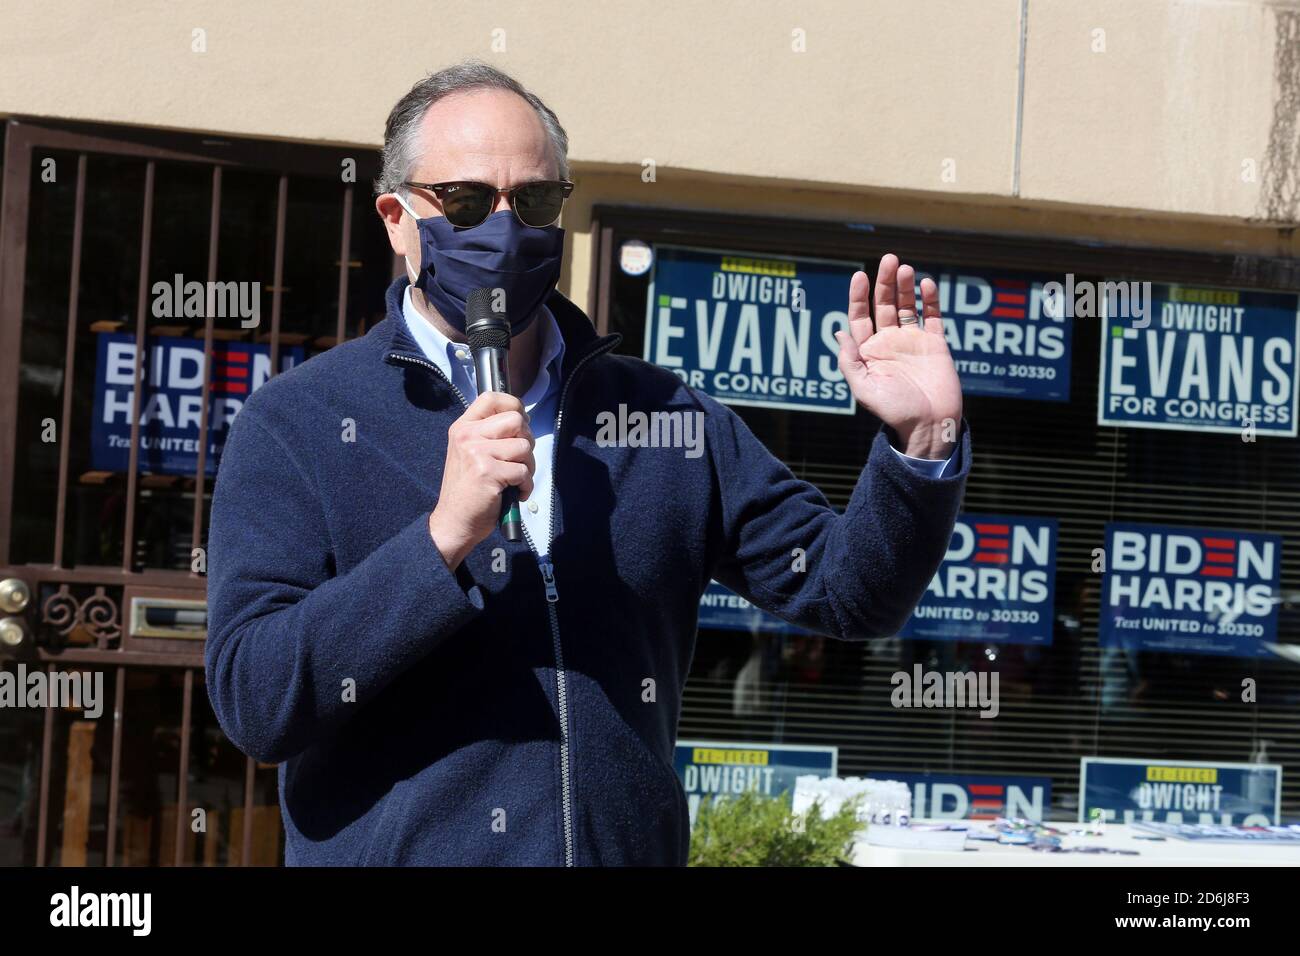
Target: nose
x=502 y=202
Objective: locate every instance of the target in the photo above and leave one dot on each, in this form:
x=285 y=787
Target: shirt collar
x=439 y=349
x=550 y=363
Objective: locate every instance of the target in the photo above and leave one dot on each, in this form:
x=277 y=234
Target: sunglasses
x=467 y=204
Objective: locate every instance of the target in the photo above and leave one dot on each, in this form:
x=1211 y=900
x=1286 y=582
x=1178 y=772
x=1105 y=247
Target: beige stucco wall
x=1146 y=121
x=1177 y=113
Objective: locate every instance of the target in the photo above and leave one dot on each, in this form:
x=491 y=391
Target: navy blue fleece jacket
x=421 y=716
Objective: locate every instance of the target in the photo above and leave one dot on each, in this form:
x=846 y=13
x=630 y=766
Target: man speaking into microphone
x=436 y=693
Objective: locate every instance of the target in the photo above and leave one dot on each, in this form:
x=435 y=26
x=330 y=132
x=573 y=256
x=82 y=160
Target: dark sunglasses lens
x=539 y=204
x=467 y=204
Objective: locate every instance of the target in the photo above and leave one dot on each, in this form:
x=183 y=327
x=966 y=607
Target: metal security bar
x=67 y=600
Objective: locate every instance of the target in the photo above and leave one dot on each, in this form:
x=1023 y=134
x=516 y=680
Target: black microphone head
x=485 y=327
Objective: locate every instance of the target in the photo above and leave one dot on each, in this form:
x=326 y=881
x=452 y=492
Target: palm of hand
x=902 y=372
x=905 y=377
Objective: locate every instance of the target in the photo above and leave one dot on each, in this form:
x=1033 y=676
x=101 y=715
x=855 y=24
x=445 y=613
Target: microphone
x=488 y=332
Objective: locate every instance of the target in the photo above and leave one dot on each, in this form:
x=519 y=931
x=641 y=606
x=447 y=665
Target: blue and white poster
x=1189 y=590
x=173 y=399
x=1007 y=338
x=724 y=609
x=1218 y=833
x=749 y=330
x=1213 y=360
x=997 y=583
x=950 y=796
x=1180 y=791
x=709 y=768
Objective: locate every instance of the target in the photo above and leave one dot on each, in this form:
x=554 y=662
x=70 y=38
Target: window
x=1061 y=701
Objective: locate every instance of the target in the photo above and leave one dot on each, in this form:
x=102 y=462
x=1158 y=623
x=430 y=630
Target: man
x=436 y=694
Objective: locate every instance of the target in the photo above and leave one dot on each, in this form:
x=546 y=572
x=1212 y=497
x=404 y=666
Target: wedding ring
x=907 y=317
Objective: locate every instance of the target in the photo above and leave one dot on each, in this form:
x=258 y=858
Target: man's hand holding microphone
x=489 y=449
x=490 y=464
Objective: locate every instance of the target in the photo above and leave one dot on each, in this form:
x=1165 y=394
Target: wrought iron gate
x=102 y=568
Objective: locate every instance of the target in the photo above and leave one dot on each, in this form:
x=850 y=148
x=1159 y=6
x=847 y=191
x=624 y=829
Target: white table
x=1118 y=836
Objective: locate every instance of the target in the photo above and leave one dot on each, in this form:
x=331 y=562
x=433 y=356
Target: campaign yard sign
x=749 y=330
x=997 y=583
x=1190 y=590
x=1218 y=833
x=710 y=768
x=1214 y=360
x=1180 y=791
x=1006 y=337
x=948 y=796
x=173 y=399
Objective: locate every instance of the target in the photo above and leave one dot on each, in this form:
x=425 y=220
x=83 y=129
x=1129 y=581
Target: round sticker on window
x=634 y=257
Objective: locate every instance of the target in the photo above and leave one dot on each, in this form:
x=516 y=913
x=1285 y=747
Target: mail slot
x=169 y=617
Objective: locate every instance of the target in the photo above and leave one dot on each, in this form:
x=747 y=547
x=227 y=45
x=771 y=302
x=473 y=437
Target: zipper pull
x=548 y=578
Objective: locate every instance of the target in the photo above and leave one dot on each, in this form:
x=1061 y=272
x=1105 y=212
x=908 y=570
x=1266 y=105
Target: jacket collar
x=580 y=338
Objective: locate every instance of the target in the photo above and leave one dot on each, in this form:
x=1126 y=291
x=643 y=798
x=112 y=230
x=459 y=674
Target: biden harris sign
x=1009 y=336
x=1189 y=590
x=996 y=583
x=751 y=331
x=172 y=402
x=724 y=609
x=946 y=796
x=1214 y=360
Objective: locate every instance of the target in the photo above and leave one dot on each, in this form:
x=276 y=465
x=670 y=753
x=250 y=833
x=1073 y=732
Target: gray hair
x=402 y=131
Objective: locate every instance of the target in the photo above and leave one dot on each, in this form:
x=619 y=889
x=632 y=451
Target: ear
x=403 y=235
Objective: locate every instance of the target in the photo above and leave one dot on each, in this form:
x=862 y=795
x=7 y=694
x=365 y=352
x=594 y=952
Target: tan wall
x=1148 y=132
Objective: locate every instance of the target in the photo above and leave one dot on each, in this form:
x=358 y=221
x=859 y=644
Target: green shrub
x=754 y=830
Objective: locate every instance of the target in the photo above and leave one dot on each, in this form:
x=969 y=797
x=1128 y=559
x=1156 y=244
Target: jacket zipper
x=547 y=569
x=402 y=357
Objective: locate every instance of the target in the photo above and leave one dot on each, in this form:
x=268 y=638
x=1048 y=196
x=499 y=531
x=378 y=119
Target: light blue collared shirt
x=930 y=467
x=541 y=402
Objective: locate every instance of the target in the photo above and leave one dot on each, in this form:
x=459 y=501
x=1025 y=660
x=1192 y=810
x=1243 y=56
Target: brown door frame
x=98 y=614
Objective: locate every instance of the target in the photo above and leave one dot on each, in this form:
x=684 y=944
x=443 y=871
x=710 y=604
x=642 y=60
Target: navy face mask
x=499 y=253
